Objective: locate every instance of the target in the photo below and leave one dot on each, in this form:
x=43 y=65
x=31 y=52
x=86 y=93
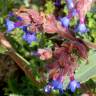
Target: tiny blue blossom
x=10 y=25
x=10 y=14
x=81 y=28
x=29 y=37
x=70 y=4
x=74 y=12
x=47 y=89
x=73 y=85
x=19 y=18
x=24 y=28
x=57 y=85
x=54 y=85
x=65 y=21
x=57 y=3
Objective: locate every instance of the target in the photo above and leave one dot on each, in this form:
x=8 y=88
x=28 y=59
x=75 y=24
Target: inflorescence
x=65 y=63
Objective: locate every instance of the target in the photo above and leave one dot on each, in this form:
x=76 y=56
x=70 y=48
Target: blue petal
x=65 y=21
x=47 y=89
x=10 y=14
x=73 y=85
x=10 y=25
x=57 y=85
x=70 y=4
x=19 y=18
x=24 y=28
x=74 y=12
x=81 y=28
x=78 y=85
x=61 y=91
x=58 y=3
x=29 y=38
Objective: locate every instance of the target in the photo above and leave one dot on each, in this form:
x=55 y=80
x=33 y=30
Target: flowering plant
x=66 y=50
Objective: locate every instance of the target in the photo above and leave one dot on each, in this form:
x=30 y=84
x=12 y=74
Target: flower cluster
x=65 y=64
x=29 y=36
x=57 y=84
x=57 y=3
x=54 y=85
x=74 y=10
x=63 y=58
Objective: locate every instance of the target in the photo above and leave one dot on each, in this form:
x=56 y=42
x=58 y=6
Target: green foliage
x=49 y=7
x=87 y=69
x=2 y=49
x=21 y=86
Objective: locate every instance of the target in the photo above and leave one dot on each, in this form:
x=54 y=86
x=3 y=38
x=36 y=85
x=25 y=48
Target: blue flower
x=57 y=3
x=57 y=85
x=73 y=85
x=81 y=28
x=74 y=12
x=19 y=18
x=29 y=37
x=10 y=14
x=47 y=89
x=54 y=85
x=10 y=25
x=65 y=21
x=24 y=28
x=70 y=4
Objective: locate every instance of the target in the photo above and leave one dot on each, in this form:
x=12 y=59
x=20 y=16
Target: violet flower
x=10 y=14
x=81 y=28
x=54 y=85
x=29 y=37
x=47 y=88
x=70 y=4
x=10 y=25
x=57 y=3
x=73 y=85
x=19 y=18
x=65 y=21
x=74 y=12
x=57 y=85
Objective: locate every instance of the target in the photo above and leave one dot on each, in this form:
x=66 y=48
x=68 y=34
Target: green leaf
x=2 y=49
x=87 y=70
x=26 y=2
x=49 y=7
x=94 y=78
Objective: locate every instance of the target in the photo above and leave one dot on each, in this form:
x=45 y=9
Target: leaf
x=2 y=49
x=26 y=2
x=49 y=7
x=94 y=78
x=87 y=71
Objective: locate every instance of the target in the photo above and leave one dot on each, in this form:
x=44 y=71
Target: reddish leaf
x=50 y=24
x=83 y=6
